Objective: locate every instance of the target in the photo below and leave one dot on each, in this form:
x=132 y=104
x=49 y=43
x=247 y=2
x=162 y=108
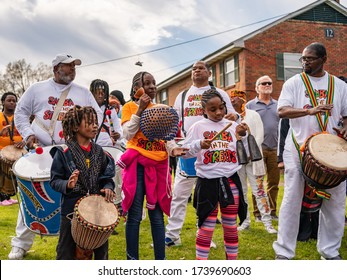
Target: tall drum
x=8 y=156
x=93 y=221
x=41 y=204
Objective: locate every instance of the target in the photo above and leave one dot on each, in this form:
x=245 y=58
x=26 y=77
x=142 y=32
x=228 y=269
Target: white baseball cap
x=65 y=58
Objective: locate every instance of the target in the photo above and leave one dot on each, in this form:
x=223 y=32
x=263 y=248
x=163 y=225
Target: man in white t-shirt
x=192 y=112
x=40 y=100
x=304 y=103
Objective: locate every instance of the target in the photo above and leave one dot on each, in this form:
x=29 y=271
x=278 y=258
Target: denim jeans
x=134 y=218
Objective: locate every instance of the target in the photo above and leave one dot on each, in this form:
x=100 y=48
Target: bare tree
x=19 y=75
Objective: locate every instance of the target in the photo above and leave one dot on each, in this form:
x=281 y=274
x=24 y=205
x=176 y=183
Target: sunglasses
x=266 y=83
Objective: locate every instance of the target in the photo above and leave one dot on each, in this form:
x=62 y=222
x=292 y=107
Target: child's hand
x=205 y=143
x=73 y=179
x=179 y=151
x=109 y=195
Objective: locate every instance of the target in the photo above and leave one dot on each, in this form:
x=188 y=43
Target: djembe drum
x=8 y=156
x=159 y=122
x=324 y=163
x=324 y=166
x=94 y=220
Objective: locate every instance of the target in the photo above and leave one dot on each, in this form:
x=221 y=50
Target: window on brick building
x=163 y=97
x=287 y=65
x=213 y=77
x=221 y=74
x=231 y=67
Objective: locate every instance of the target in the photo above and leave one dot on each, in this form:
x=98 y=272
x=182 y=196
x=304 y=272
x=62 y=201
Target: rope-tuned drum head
x=159 y=122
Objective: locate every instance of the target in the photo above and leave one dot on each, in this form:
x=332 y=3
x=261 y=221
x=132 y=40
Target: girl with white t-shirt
x=218 y=185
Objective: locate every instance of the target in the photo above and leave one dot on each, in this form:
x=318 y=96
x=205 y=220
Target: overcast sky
x=125 y=31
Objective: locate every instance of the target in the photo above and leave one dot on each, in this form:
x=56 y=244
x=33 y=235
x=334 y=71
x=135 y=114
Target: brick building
x=272 y=50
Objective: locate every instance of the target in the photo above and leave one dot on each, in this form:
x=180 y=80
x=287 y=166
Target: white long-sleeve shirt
x=40 y=99
x=220 y=160
x=104 y=138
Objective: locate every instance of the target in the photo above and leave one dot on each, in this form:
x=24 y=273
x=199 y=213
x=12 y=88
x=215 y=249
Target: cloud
x=103 y=30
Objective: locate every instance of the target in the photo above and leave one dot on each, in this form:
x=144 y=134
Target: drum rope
x=320 y=193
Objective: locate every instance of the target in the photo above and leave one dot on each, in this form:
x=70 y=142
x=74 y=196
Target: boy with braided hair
x=82 y=168
x=110 y=131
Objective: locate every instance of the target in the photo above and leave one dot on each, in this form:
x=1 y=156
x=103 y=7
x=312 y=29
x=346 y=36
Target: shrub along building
x=272 y=50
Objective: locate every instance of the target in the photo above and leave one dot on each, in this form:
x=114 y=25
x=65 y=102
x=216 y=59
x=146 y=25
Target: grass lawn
x=254 y=244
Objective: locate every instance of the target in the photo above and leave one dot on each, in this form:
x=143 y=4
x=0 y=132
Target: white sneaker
x=213 y=245
x=172 y=242
x=143 y=215
x=16 y=253
x=271 y=230
x=243 y=227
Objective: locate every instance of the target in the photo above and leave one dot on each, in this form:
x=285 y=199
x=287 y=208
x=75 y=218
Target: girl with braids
x=218 y=185
x=82 y=168
x=110 y=131
x=146 y=171
x=8 y=136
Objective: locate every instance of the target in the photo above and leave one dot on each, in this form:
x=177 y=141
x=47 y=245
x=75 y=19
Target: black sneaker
x=338 y=257
x=274 y=217
x=281 y=258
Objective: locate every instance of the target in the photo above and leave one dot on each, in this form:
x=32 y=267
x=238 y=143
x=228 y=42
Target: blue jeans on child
x=134 y=218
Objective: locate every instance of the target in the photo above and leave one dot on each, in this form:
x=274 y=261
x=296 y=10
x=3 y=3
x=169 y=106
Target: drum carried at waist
x=324 y=166
x=94 y=220
x=8 y=155
x=324 y=163
x=41 y=204
x=187 y=167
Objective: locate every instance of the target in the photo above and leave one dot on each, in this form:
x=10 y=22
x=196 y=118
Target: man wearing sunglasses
x=266 y=106
x=313 y=101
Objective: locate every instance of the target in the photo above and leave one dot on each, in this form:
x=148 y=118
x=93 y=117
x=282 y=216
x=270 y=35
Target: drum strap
x=313 y=97
x=11 y=130
x=319 y=193
x=54 y=118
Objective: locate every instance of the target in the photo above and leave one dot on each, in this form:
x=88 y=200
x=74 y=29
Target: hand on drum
x=341 y=132
x=31 y=141
x=73 y=179
x=110 y=196
x=19 y=145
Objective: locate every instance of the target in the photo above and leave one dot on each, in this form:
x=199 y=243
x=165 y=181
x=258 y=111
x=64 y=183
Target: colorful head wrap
x=240 y=94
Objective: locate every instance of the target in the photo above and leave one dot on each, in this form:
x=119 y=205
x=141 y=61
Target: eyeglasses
x=266 y=83
x=308 y=58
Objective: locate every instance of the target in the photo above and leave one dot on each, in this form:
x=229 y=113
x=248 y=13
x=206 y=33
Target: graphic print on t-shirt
x=53 y=101
x=219 y=150
x=194 y=107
